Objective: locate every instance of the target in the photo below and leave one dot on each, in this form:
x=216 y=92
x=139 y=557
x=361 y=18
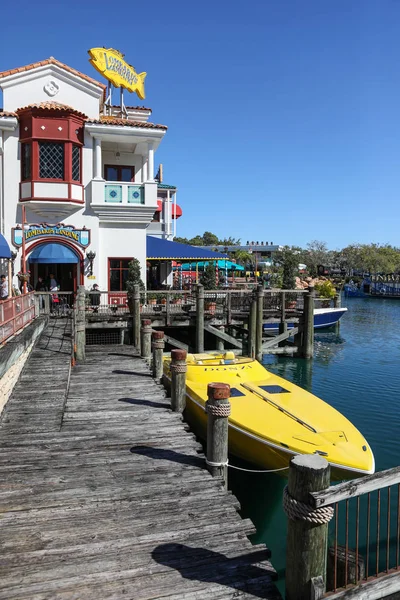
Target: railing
x=123 y=193
x=365 y=532
x=15 y=313
x=55 y=304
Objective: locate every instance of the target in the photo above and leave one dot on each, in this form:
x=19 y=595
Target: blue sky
x=283 y=115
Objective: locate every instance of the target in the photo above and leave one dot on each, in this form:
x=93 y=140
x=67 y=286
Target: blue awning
x=165 y=250
x=52 y=254
x=5 y=251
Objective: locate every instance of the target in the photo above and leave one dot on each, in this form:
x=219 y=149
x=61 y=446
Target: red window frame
x=120 y=269
x=119 y=171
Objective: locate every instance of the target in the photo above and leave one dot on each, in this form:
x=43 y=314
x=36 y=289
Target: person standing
x=41 y=287
x=3 y=287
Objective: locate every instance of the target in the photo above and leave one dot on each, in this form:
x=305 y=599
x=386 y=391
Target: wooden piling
x=306 y=544
x=80 y=324
x=200 y=318
x=158 y=349
x=260 y=321
x=219 y=342
x=252 y=329
x=178 y=369
x=145 y=338
x=283 y=325
x=46 y=304
x=307 y=345
x=337 y=301
x=136 y=317
x=218 y=409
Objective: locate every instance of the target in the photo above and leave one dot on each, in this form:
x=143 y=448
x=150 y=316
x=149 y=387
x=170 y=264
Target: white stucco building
x=84 y=171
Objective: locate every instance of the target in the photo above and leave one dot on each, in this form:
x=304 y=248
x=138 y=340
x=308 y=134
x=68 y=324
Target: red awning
x=159 y=206
x=176 y=213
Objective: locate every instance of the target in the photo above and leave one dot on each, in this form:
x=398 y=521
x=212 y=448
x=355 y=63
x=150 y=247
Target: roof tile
x=52 y=106
x=51 y=61
x=4 y=113
x=126 y=123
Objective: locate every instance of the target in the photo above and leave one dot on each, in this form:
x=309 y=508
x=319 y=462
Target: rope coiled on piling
x=300 y=511
x=221 y=410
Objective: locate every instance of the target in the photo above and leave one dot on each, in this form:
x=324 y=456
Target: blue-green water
x=356 y=370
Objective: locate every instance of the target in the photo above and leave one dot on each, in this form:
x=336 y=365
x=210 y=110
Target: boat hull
x=323 y=317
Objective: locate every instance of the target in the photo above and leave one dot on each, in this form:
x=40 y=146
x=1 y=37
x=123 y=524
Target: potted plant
x=326 y=291
x=151 y=299
x=133 y=279
x=24 y=276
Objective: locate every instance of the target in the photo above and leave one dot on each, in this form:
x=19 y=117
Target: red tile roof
x=53 y=106
x=51 y=61
x=126 y=123
x=4 y=113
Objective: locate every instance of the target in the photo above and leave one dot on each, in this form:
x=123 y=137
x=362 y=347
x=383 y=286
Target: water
x=355 y=370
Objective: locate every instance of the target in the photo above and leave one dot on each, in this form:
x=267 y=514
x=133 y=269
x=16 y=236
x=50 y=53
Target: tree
x=210 y=239
x=134 y=277
x=316 y=254
x=289 y=261
x=208 y=278
x=243 y=257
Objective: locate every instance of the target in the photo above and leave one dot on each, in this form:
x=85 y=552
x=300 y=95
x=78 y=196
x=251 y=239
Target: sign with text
x=44 y=230
x=110 y=63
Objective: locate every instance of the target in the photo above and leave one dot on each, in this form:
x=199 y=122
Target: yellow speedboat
x=272 y=419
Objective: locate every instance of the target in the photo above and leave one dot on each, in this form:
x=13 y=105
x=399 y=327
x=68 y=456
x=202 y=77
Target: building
x=77 y=188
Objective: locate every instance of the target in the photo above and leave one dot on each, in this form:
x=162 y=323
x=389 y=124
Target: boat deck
x=103 y=491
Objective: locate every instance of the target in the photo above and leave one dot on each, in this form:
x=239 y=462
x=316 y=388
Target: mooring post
x=307 y=346
x=158 y=349
x=46 y=304
x=80 y=323
x=145 y=338
x=220 y=343
x=260 y=318
x=136 y=317
x=283 y=325
x=337 y=301
x=178 y=369
x=252 y=329
x=307 y=533
x=200 y=318
x=218 y=409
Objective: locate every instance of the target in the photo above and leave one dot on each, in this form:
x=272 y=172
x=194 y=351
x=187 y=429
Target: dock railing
x=362 y=541
x=15 y=313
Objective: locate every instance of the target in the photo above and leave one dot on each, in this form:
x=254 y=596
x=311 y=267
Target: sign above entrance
x=110 y=63
x=44 y=230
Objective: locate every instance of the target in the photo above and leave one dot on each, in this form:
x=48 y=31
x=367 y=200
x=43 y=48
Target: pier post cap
x=157 y=335
x=218 y=391
x=309 y=461
x=146 y=322
x=178 y=354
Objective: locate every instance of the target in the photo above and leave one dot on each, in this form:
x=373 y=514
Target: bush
x=325 y=289
x=208 y=278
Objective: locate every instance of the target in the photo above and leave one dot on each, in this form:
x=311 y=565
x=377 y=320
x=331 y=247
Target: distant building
x=263 y=252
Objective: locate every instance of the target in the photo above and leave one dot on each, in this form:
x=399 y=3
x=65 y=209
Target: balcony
x=52 y=200
x=121 y=202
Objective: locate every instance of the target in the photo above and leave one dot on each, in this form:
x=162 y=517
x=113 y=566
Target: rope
x=256 y=471
x=300 y=511
x=217 y=464
x=158 y=344
x=178 y=367
x=220 y=410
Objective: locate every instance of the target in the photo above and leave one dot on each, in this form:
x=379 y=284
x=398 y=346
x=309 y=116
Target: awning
x=5 y=251
x=159 y=206
x=158 y=249
x=222 y=264
x=52 y=254
x=176 y=211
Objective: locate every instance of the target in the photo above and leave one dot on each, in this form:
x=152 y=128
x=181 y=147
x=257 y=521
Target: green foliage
x=287 y=265
x=134 y=277
x=208 y=239
x=325 y=289
x=208 y=278
x=243 y=257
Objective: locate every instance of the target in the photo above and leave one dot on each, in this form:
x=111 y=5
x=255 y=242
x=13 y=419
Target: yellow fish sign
x=110 y=63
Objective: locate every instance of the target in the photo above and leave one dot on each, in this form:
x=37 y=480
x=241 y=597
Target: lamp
x=91 y=256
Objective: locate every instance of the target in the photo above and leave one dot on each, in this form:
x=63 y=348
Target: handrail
x=354 y=488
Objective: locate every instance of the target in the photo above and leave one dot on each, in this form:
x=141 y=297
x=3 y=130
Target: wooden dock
x=104 y=493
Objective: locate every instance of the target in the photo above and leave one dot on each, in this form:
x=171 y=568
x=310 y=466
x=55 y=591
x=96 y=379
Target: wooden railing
x=356 y=555
x=15 y=313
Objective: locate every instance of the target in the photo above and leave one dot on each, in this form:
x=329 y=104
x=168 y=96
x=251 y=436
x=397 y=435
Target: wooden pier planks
x=104 y=494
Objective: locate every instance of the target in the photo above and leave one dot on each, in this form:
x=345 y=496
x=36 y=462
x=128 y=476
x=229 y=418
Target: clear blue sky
x=283 y=115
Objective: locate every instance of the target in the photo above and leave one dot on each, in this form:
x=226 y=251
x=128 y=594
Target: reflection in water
x=356 y=371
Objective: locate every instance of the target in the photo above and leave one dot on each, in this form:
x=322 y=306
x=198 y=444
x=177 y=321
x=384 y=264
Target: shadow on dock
x=171 y=455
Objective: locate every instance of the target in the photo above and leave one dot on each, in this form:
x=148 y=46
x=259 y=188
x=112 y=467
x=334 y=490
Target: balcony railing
x=123 y=193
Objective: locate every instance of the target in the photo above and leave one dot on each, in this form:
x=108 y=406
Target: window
x=119 y=173
x=76 y=163
x=118 y=273
x=51 y=160
x=26 y=161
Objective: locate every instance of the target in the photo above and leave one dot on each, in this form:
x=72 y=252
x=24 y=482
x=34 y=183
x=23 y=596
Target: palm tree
x=244 y=258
